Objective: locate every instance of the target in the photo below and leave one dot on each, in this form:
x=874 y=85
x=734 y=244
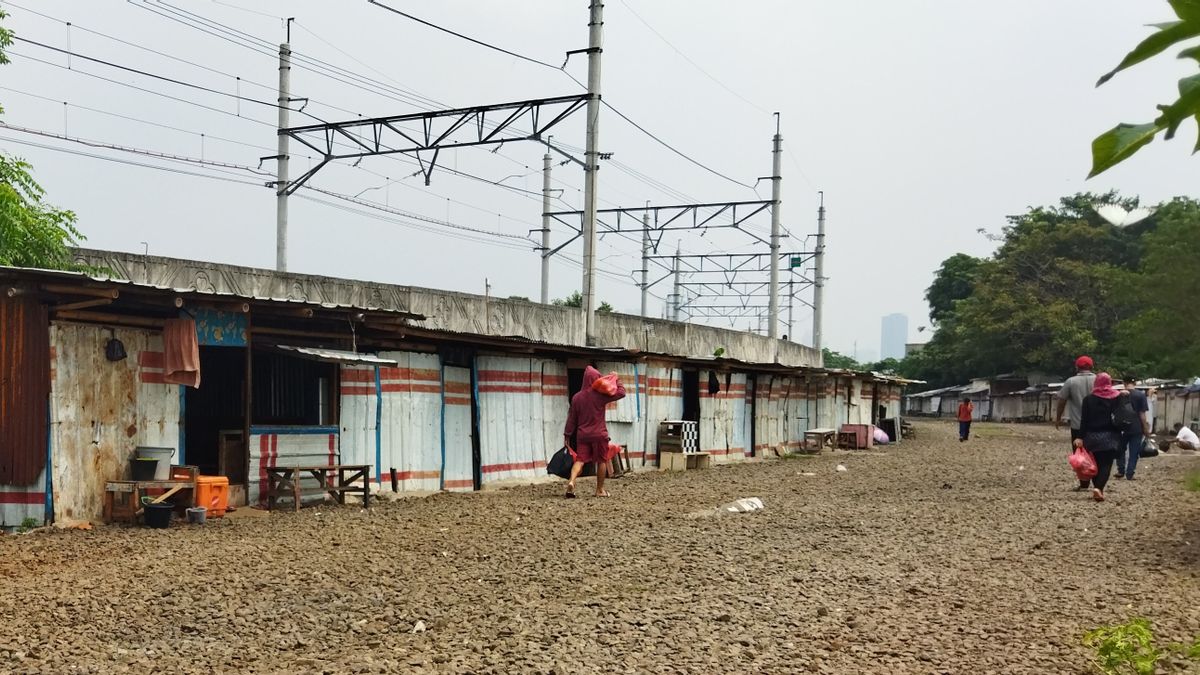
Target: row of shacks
x=288 y=382
x=1010 y=398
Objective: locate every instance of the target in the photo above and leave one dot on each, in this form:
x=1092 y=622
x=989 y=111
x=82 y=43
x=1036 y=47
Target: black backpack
x=1124 y=418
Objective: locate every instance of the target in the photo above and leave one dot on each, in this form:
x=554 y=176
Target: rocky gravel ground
x=929 y=557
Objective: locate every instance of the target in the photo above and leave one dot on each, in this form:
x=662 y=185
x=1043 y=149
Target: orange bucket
x=212 y=492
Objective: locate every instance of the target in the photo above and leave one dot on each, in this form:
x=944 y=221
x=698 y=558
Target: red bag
x=606 y=385
x=1083 y=463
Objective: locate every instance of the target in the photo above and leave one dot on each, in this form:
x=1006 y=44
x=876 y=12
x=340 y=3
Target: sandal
x=603 y=494
x=570 y=492
x=1097 y=494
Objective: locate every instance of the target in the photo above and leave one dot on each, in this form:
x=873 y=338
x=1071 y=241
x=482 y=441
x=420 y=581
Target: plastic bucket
x=157 y=515
x=163 y=455
x=143 y=468
x=197 y=515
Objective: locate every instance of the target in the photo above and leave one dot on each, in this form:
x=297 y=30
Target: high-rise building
x=894 y=335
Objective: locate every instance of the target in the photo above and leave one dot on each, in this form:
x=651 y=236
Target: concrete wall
x=460 y=312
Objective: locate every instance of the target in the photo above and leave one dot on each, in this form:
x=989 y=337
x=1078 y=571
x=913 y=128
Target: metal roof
x=27 y=273
x=338 y=356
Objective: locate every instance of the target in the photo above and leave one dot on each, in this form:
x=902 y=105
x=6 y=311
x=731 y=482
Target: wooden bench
x=123 y=498
x=332 y=479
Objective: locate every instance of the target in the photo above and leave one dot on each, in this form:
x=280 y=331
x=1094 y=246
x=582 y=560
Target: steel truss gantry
x=430 y=132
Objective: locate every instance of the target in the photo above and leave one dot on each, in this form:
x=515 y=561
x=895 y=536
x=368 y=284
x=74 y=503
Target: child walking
x=965 y=410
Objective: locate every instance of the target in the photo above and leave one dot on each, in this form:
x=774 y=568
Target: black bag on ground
x=1149 y=449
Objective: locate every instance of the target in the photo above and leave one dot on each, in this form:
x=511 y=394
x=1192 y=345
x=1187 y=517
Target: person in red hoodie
x=585 y=421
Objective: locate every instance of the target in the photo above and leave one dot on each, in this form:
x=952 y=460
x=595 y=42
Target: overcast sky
x=921 y=120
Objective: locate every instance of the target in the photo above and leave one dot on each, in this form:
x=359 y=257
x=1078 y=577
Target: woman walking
x=1101 y=429
x=585 y=421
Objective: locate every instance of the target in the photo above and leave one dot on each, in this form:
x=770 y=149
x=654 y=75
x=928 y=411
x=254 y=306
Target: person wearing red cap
x=1070 y=400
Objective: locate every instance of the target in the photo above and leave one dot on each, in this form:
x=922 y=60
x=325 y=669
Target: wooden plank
x=161 y=498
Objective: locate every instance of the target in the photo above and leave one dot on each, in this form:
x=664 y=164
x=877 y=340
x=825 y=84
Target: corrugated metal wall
x=358 y=414
x=512 y=424
x=458 y=472
x=555 y=403
x=102 y=410
x=288 y=446
x=24 y=389
x=722 y=416
x=411 y=438
x=24 y=394
x=663 y=401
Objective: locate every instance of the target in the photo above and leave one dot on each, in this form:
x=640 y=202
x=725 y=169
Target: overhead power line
x=472 y=40
x=164 y=78
x=695 y=65
x=562 y=69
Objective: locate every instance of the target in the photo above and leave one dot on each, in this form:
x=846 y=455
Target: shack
x=452 y=391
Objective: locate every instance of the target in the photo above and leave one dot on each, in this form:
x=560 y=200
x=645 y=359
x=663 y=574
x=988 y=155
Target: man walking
x=1070 y=400
x=1135 y=436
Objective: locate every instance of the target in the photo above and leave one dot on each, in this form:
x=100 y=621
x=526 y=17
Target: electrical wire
x=164 y=78
x=472 y=40
x=139 y=120
x=695 y=65
x=129 y=162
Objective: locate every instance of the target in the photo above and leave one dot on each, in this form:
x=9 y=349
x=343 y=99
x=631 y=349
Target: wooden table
x=822 y=437
x=332 y=479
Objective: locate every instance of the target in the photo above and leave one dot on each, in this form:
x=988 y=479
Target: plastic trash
x=606 y=385
x=841 y=468
x=744 y=505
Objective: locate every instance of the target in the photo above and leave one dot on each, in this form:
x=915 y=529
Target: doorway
x=214 y=414
x=691 y=395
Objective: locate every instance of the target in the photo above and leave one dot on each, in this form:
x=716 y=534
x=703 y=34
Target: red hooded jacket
x=586 y=418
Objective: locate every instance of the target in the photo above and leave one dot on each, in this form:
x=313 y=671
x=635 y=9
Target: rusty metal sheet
x=24 y=389
x=102 y=410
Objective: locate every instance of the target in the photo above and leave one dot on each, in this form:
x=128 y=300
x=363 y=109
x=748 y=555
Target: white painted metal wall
x=663 y=401
x=458 y=472
x=722 y=417
x=512 y=424
x=411 y=422
x=358 y=414
x=288 y=446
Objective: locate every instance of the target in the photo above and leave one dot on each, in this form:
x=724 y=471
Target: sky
x=921 y=121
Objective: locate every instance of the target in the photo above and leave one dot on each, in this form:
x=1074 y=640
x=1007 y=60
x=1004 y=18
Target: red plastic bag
x=606 y=385
x=1083 y=463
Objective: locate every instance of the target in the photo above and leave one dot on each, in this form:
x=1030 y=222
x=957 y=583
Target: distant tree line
x=1064 y=282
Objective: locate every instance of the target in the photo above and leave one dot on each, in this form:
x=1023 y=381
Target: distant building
x=894 y=336
x=911 y=348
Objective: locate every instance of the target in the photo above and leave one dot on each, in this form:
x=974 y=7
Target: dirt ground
x=932 y=556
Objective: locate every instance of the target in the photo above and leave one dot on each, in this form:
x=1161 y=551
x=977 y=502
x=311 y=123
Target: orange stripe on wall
x=504 y=376
x=150 y=359
x=466 y=483
x=515 y=466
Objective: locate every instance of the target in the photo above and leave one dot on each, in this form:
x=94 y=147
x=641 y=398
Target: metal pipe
x=591 y=169
x=776 y=204
x=281 y=162
x=675 y=297
x=547 y=163
x=819 y=276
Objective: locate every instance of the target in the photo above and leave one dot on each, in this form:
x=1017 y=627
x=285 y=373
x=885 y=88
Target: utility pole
x=645 y=259
x=547 y=162
x=776 y=203
x=591 y=169
x=675 y=296
x=819 y=275
x=281 y=161
x=791 y=304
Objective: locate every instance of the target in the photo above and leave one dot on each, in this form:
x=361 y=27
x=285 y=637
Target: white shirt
x=1188 y=436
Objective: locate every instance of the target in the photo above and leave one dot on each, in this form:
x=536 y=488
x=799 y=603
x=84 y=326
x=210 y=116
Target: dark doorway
x=691 y=395
x=214 y=414
x=574 y=382
x=751 y=406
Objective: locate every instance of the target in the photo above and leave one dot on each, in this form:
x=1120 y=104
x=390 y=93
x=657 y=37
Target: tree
x=952 y=282
x=1122 y=141
x=576 y=300
x=32 y=233
x=833 y=359
x=1161 y=338
x=1058 y=285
